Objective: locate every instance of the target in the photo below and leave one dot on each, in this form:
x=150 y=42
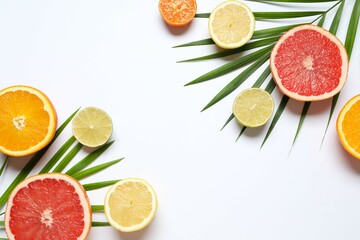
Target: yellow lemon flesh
x=231 y=24
x=130 y=204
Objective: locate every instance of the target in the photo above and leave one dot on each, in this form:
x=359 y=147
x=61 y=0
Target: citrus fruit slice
x=231 y=24
x=92 y=126
x=253 y=107
x=130 y=204
x=28 y=120
x=48 y=206
x=347 y=126
x=177 y=13
x=309 y=63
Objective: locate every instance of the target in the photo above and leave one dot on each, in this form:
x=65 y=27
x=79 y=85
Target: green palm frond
x=60 y=160
x=267 y=37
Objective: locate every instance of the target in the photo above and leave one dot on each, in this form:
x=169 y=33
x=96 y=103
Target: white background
x=118 y=55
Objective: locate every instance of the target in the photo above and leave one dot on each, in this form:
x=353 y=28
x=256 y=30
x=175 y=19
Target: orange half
x=28 y=120
x=347 y=126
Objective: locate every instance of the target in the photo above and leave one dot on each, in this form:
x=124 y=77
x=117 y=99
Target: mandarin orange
x=177 y=13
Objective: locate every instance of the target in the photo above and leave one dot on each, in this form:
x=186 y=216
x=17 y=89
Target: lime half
x=92 y=126
x=253 y=107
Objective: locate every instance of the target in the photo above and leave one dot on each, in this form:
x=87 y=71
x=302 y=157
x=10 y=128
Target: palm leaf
x=31 y=164
x=269 y=32
x=231 y=66
x=100 y=224
x=97 y=208
x=353 y=26
x=58 y=155
x=206 y=41
x=302 y=118
x=228 y=52
x=294 y=1
x=282 y=15
x=97 y=185
x=90 y=171
x=3 y=166
x=277 y=115
x=272 y=15
x=263 y=33
x=88 y=159
x=236 y=82
x=66 y=160
x=349 y=42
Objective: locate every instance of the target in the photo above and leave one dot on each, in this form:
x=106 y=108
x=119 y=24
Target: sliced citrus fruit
x=130 y=204
x=177 y=13
x=347 y=126
x=92 y=126
x=231 y=24
x=28 y=120
x=48 y=206
x=309 y=63
x=253 y=107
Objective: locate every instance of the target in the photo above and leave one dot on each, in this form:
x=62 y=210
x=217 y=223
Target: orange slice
x=177 y=13
x=28 y=120
x=347 y=126
x=48 y=206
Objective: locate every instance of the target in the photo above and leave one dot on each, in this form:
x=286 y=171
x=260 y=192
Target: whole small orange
x=28 y=120
x=347 y=126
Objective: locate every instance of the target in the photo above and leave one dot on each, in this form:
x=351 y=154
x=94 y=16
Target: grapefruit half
x=308 y=63
x=48 y=206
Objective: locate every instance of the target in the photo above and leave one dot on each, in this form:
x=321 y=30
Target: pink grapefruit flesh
x=309 y=63
x=48 y=206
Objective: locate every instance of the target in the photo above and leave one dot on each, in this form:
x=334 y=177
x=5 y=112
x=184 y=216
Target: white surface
x=117 y=55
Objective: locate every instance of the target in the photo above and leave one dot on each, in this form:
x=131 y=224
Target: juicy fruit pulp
x=130 y=204
x=347 y=126
x=92 y=126
x=28 y=120
x=177 y=13
x=309 y=63
x=253 y=107
x=231 y=24
x=48 y=206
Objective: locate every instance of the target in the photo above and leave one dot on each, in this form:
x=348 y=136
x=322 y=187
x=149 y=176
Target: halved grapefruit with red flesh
x=48 y=206
x=308 y=63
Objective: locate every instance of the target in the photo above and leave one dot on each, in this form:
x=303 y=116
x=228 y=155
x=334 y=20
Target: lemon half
x=231 y=24
x=130 y=204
